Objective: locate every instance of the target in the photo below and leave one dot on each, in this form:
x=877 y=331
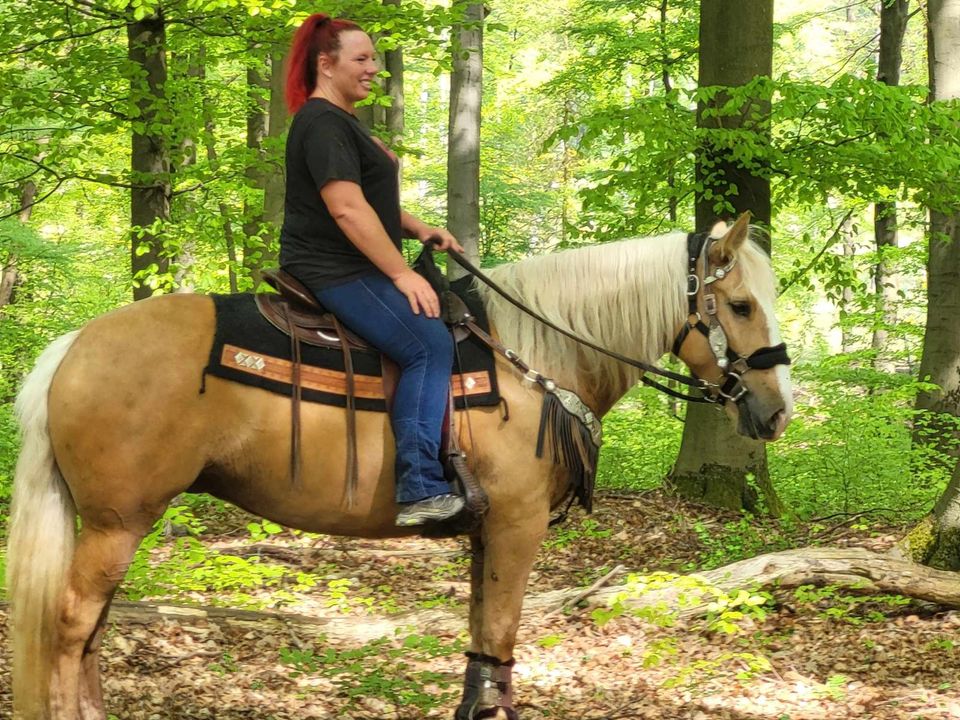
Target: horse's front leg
x=502 y=560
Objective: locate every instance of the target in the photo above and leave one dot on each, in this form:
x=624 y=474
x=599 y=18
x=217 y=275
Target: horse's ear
x=724 y=249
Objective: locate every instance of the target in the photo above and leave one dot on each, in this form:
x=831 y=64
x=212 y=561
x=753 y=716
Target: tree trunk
x=940 y=361
x=226 y=214
x=893 y=25
x=266 y=119
x=149 y=156
x=9 y=274
x=393 y=64
x=194 y=67
x=847 y=336
x=665 y=64
x=274 y=185
x=715 y=464
x=936 y=540
x=463 y=155
x=258 y=113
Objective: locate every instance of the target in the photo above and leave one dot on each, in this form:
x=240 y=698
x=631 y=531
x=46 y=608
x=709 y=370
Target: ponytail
x=319 y=33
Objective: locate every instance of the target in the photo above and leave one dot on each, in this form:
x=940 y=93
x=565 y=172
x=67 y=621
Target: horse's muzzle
x=759 y=425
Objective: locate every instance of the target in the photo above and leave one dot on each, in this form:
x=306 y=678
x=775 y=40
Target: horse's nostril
x=777 y=424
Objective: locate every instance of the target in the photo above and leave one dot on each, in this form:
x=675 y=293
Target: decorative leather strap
x=295 y=397
x=352 y=465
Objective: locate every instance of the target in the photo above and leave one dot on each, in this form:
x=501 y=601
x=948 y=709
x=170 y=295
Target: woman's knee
x=435 y=346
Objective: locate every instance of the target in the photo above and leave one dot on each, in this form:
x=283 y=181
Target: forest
x=142 y=154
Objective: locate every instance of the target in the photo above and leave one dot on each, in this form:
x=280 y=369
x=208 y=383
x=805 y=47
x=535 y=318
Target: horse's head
x=738 y=350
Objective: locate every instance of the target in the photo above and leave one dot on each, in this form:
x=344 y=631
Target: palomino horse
x=114 y=428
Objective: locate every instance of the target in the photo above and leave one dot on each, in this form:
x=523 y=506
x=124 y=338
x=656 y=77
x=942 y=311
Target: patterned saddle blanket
x=250 y=350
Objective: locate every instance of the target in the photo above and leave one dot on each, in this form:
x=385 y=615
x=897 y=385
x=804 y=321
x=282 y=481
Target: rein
x=732 y=364
x=692 y=382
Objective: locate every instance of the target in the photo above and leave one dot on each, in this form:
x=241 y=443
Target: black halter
x=733 y=365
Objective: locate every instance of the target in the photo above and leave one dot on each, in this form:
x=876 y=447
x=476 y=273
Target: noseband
x=733 y=365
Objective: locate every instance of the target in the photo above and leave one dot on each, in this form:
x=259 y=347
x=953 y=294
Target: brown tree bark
x=463 y=153
x=940 y=361
x=393 y=64
x=149 y=156
x=936 y=540
x=715 y=464
x=893 y=25
x=274 y=186
x=258 y=109
x=266 y=120
x=9 y=272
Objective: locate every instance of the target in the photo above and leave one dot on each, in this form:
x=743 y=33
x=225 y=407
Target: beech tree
x=736 y=47
x=936 y=540
x=463 y=153
x=894 y=15
x=149 y=152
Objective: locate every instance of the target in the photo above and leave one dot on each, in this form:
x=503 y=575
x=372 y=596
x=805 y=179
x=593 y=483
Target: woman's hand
x=441 y=238
x=419 y=293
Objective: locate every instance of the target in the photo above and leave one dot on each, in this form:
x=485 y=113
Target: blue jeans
x=373 y=308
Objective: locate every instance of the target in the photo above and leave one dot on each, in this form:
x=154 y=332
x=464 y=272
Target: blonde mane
x=626 y=296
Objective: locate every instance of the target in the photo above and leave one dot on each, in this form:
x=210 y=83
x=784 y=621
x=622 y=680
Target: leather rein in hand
x=732 y=387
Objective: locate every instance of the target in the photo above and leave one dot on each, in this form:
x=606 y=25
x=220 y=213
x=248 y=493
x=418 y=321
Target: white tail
x=40 y=547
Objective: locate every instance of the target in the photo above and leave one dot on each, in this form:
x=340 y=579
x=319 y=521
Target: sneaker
x=431 y=509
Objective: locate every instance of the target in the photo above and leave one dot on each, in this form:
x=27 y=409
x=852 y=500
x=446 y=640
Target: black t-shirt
x=326 y=143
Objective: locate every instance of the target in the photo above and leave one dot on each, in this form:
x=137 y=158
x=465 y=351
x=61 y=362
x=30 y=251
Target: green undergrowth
x=848 y=449
x=184 y=566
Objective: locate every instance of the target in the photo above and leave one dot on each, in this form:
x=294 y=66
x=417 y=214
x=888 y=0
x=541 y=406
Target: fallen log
x=856 y=569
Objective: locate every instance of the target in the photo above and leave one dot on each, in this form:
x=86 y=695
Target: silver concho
x=572 y=402
x=718 y=344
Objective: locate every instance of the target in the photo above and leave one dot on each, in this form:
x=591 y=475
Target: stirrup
x=469 y=520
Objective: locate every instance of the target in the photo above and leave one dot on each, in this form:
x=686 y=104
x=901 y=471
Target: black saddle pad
x=249 y=350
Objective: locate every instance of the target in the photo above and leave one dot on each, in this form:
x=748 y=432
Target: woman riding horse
x=341 y=238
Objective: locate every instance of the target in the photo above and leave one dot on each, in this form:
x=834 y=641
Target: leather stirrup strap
x=295 y=396
x=352 y=469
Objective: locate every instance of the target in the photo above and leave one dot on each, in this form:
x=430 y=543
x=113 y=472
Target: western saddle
x=294 y=311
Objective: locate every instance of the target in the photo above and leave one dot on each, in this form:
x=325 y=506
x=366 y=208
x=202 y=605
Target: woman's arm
x=360 y=223
x=414 y=227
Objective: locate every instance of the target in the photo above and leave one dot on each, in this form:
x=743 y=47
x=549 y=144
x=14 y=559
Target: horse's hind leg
x=99 y=563
x=91 y=689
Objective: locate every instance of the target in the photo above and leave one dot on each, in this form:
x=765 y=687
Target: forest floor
x=803 y=655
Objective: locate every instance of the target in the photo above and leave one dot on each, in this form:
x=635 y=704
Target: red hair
x=319 y=33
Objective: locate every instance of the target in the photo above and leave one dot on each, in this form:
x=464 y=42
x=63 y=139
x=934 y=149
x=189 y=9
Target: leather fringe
x=571 y=447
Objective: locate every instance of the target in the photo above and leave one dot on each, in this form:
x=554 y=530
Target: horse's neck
x=626 y=297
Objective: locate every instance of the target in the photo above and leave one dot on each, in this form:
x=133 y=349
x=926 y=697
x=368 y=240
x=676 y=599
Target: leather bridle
x=733 y=365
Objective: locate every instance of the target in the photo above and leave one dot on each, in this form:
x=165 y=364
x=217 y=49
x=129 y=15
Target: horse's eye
x=741 y=308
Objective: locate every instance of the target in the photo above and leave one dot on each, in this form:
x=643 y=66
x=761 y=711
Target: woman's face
x=352 y=73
